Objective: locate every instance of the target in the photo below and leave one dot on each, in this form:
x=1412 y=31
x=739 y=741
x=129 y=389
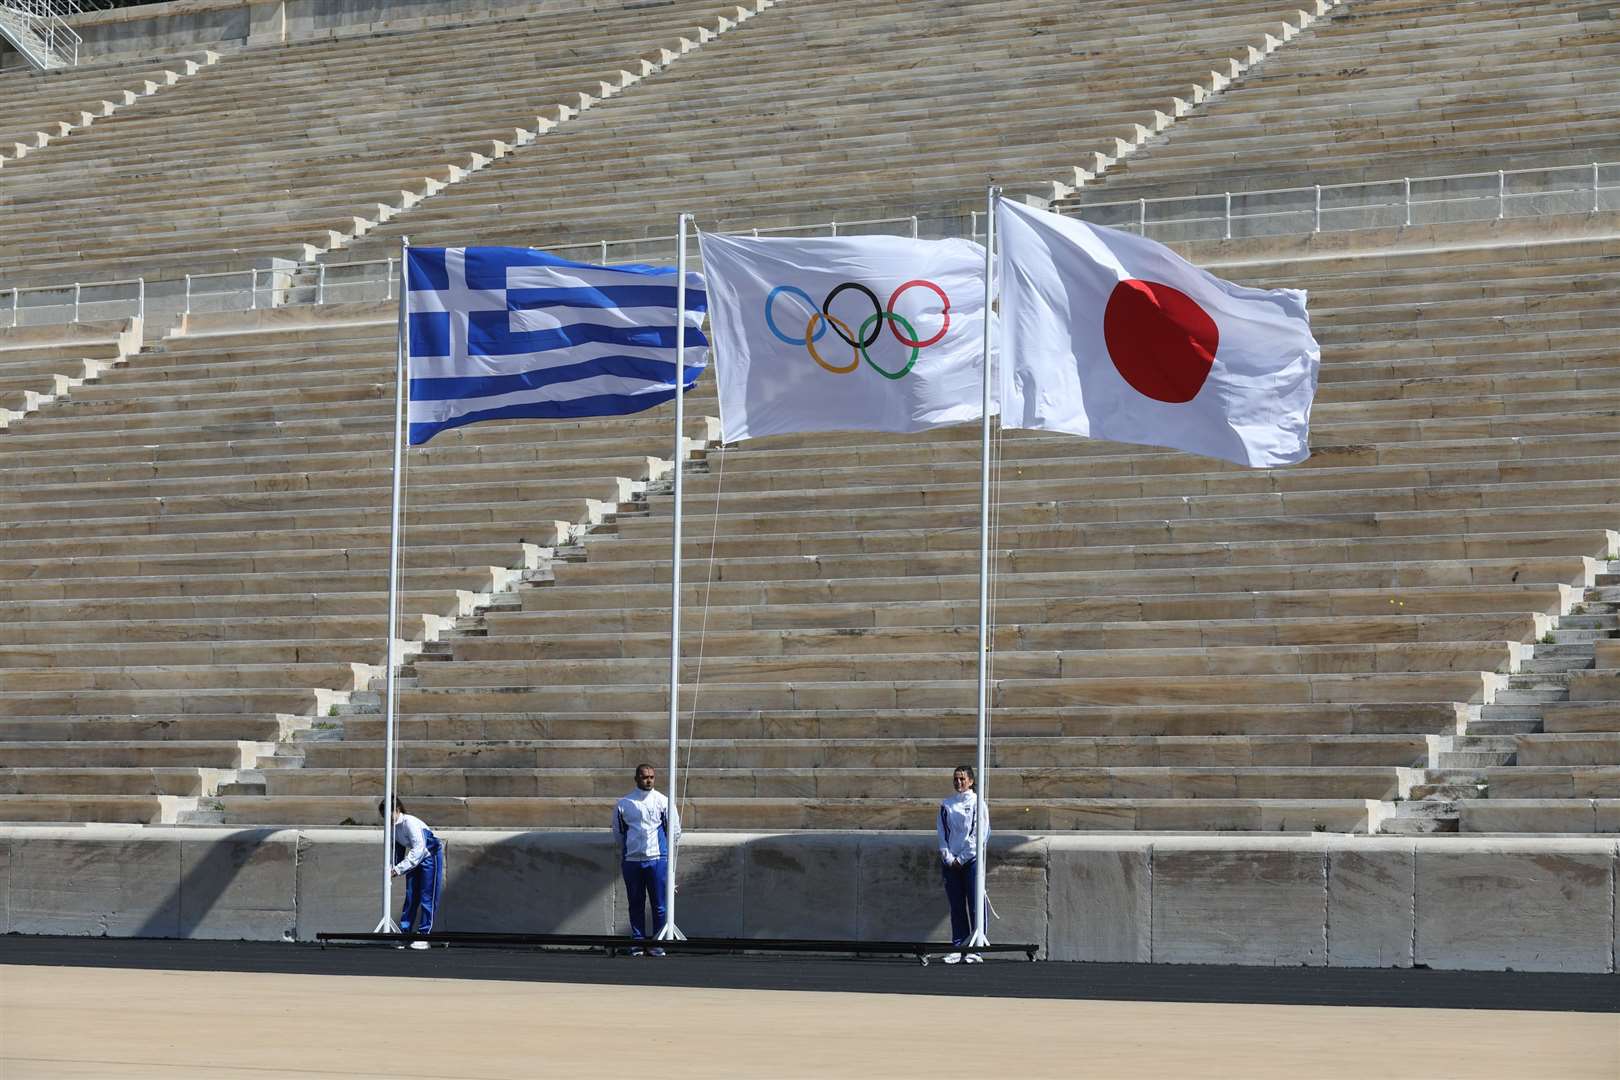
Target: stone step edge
x=1095 y=164
x=144 y=86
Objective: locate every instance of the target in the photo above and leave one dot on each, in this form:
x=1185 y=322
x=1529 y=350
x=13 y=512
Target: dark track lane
x=1534 y=991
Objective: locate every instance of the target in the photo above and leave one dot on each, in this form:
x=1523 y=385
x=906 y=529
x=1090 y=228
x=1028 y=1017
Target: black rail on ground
x=614 y=944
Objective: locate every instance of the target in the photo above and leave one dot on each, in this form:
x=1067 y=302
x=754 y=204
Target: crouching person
x=419 y=859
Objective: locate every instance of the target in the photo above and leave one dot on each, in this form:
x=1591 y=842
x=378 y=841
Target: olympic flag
x=1113 y=336
x=859 y=333
x=501 y=333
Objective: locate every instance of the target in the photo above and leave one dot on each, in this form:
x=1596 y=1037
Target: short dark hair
x=649 y=767
x=967 y=769
x=382 y=806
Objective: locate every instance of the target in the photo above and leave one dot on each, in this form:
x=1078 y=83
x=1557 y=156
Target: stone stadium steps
x=324 y=166
x=263 y=676
x=157 y=577
x=708 y=723
x=606 y=785
x=76 y=809
x=858 y=612
x=155 y=703
x=53 y=782
x=1596 y=543
x=864 y=753
x=44 y=109
x=887 y=85
x=127 y=731
x=223 y=563
x=1460 y=88
x=507 y=642
x=881 y=695
x=499 y=662
x=191 y=654
x=43 y=364
x=771 y=814
x=1540 y=816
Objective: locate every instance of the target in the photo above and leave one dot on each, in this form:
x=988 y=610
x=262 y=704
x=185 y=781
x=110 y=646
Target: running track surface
x=997 y=978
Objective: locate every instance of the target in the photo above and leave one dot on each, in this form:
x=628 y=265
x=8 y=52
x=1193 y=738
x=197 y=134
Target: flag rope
x=703 y=624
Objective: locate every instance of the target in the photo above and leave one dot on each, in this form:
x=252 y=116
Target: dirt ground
x=105 y=1024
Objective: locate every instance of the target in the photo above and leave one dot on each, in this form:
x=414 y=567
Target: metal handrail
x=46 y=20
x=1312 y=202
x=277 y=286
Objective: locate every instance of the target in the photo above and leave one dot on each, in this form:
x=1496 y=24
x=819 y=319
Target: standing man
x=648 y=828
x=959 y=841
x=419 y=859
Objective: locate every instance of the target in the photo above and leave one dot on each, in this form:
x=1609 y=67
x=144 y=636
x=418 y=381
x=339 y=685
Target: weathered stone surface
x=1223 y=901
x=902 y=897
x=1370 y=914
x=1017 y=884
x=112 y=881
x=529 y=882
x=339 y=878
x=1530 y=905
x=239 y=884
x=5 y=885
x=1100 y=899
x=709 y=871
x=800 y=885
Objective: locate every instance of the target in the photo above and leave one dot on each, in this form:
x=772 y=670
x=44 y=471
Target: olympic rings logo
x=871 y=328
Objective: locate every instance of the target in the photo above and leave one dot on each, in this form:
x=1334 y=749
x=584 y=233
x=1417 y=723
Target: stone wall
x=1345 y=901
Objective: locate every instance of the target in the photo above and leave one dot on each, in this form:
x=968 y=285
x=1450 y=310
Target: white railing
x=79 y=302
x=1501 y=195
x=376 y=279
x=1484 y=196
x=39 y=30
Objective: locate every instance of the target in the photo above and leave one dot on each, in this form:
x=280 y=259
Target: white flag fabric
x=859 y=333
x=1113 y=336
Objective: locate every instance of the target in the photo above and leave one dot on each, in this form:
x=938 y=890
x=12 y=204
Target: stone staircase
x=1459 y=764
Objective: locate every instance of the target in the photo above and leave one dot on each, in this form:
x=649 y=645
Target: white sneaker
x=973 y=958
x=952 y=958
x=419 y=944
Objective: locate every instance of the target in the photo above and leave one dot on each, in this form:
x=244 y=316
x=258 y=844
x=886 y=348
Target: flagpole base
x=670 y=932
x=976 y=940
x=387 y=926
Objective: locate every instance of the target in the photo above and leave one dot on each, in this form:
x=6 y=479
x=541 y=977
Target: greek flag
x=502 y=333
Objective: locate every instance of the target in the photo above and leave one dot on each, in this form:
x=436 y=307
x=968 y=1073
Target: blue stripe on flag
x=577 y=408
x=489 y=333
x=487 y=266
x=427 y=269
x=605 y=296
x=430 y=333
x=471 y=386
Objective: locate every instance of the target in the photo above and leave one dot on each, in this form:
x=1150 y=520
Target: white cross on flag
x=1112 y=336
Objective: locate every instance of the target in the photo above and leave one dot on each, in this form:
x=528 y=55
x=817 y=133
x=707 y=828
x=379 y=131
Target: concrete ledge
x=1483 y=903
x=290 y=317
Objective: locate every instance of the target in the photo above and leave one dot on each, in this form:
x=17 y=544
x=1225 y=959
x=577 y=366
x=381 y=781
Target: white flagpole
x=979 y=937
x=401 y=394
x=670 y=931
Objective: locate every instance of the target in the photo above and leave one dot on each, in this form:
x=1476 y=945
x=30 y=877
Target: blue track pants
x=645 y=879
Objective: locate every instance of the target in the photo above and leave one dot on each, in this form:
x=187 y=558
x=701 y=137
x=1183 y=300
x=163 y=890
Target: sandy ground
x=110 y=1023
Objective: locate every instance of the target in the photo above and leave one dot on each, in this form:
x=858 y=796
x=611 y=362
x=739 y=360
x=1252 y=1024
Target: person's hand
x=393 y=871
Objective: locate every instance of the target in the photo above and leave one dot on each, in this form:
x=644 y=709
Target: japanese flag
x=1112 y=336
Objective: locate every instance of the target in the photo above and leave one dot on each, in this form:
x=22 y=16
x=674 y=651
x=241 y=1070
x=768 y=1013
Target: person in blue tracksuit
x=647 y=828
x=419 y=859
x=959 y=841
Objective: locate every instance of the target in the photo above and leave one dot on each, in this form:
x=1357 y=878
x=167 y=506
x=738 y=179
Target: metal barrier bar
x=1311 y=213
x=615 y=943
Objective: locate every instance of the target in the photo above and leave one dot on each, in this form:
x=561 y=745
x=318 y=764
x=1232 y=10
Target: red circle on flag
x=1160 y=340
